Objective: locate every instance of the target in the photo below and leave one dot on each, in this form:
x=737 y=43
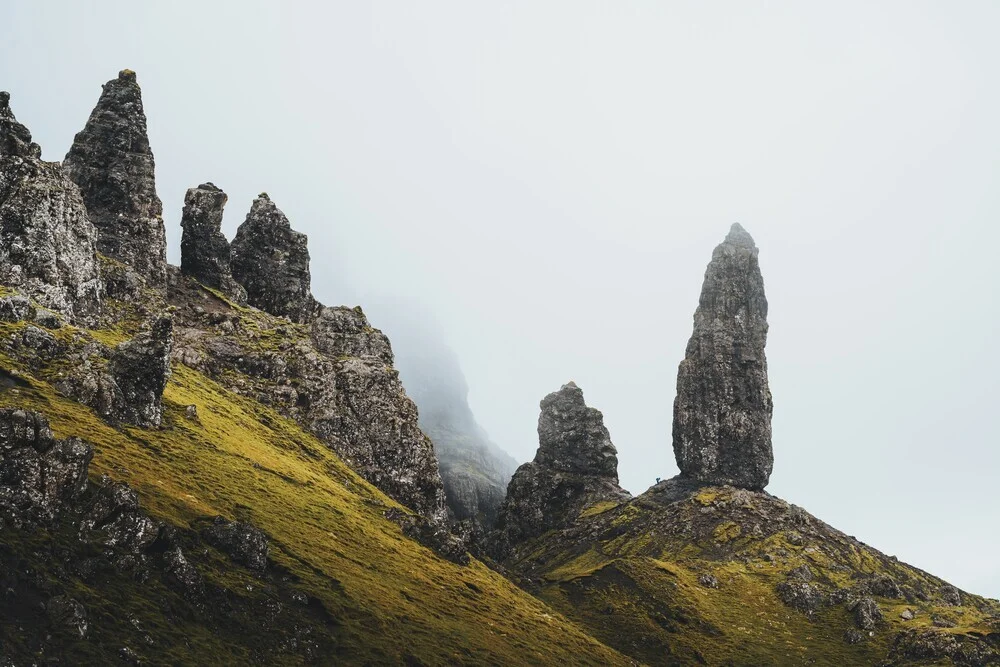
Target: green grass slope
x=375 y=596
x=686 y=575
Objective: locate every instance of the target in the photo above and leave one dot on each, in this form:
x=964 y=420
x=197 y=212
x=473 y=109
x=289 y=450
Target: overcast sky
x=548 y=180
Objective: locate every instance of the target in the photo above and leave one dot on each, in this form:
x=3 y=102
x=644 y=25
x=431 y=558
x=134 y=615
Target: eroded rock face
x=38 y=474
x=112 y=163
x=271 y=261
x=140 y=369
x=241 y=541
x=576 y=465
x=722 y=413
x=205 y=252
x=47 y=242
x=340 y=331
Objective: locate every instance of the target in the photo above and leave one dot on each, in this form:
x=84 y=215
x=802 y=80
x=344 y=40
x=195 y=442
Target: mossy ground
x=391 y=599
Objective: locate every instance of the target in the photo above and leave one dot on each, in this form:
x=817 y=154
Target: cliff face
x=47 y=242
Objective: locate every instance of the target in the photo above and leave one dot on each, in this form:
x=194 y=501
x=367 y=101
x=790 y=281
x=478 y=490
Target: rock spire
x=112 y=163
x=47 y=243
x=205 y=253
x=576 y=465
x=271 y=260
x=722 y=413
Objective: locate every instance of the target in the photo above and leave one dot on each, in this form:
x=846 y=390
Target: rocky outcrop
x=345 y=332
x=242 y=542
x=576 y=465
x=271 y=261
x=722 y=413
x=205 y=252
x=112 y=163
x=47 y=242
x=140 y=369
x=39 y=475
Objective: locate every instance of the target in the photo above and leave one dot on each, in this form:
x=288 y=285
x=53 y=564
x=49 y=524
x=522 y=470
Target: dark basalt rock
x=39 y=475
x=867 y=614
x=182 y=575
x=66 y=613
x=722 y=413
x=47 y=242
x=116 y=521
x=576 y=465
x=271 y=261
x=140 y=369
x=205 y=252
x=112 y=163
x=242 y=542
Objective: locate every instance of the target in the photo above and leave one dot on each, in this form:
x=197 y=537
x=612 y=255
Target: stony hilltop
x=205 y=464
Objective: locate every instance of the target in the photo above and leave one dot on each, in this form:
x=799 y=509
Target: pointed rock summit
x=271 y=260
x=722 y=413
x=576 y=465
x=47 y=243
x=112 y=163
x=205 y=252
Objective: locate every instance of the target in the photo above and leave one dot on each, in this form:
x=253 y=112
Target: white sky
x=548 y=179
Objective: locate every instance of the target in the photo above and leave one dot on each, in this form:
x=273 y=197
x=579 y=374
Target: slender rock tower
x=112 y=163
x=722 y=413
x=205 y=252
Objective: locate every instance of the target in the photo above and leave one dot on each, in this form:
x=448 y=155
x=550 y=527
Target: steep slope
x=475 y=470
x=342 y=583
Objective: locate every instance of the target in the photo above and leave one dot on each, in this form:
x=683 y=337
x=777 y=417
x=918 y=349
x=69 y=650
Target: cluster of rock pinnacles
x=722 y=413
x=55 y=221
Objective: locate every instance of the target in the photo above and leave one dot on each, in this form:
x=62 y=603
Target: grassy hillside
x=374 y=595
x=715 y=575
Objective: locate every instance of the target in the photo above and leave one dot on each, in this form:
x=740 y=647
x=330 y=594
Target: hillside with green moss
x=694 y=574
x=343 y=583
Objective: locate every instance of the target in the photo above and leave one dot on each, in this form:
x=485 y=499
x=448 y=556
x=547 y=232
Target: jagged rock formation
x=722 y=413
x=345 y=332
x=140 y=369
x=576 y=465
x=47 y=243
x=112 y=163
x=38 y=474
x=205 y=253
x=271 y=260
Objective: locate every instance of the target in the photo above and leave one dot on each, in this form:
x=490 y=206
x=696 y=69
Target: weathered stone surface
x=576 y=465
x=39 y=475
x=116 y=521
x=271 y=261
x=112 y=163
x=722 y=413
x=241 y=541
x=140 y=368
x=47 y=242
x=205 y=252
x=340 y=331
x=867 y=614
x=66 y=613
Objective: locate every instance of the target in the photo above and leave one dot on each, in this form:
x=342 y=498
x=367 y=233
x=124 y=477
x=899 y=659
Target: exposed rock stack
x=340 y=331
x=722 y=413
x=112 y=163
x=47 y=243
x=140 y=368
x=271 y=260
x=205 y=253
x=576 y=465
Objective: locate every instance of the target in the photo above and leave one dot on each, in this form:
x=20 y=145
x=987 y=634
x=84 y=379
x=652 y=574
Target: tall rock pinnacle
x=112 y=163
x=47 y=243
x=722 y=413
x=205 y=253
x=271 y=260
x=575 y=466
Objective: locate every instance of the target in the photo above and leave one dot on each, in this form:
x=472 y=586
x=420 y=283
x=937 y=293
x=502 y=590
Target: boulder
x=242 y=542
x=111 y=161
x=722 y=413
